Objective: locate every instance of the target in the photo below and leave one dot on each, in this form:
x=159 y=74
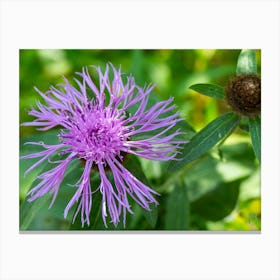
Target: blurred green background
x=220 y=191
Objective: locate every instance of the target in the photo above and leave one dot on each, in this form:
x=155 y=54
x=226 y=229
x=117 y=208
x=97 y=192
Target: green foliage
x=215 y=185
x=206 y=139
x=37 y=215
x=210 y=90
x=26 y=181
x=247 y=63
x=255 y=132
x=133 y=165
x=217 y=203
x=178 y=212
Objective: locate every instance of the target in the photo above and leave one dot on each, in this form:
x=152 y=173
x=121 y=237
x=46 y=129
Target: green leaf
x=134 y=166
x=96 y=221
x=38 y=209
x=29 y=210
x=246 y=63
x=49 y=137
x=218 y=203
x=36 y=215
x=251 y=187
x=244 y=124
x=238 y=163
x=151 y=216
x=255 y=132
x=137 y=66
x=206 y=138
x=178 y=212
x=25 y=182
x=210 y=90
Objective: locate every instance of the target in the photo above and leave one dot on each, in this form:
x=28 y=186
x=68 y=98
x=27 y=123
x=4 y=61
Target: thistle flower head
x=97 y=128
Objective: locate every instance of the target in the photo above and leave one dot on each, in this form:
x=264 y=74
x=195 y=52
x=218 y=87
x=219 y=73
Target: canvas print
x=161 y=140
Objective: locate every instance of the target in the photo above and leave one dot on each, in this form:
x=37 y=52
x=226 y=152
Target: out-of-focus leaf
x=37 y=211
x=211 y=110
x=151 y=216
x=218 y=203
x=49 y=137
x=238 y=163
x=96 y=222
x=133 y=165
x=250 y=211
x=251 y=187
x=202 y=178
x=255 y=132
x=136 y=67
x=25 y=182
x=207 y=138
x=134 y=220
x=246 y=63
x=29 y=210
x=244 y=124
x=211 y=74
x=178 y=214
x=210 y=90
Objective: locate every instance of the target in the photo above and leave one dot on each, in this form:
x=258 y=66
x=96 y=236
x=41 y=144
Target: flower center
x=95 y=135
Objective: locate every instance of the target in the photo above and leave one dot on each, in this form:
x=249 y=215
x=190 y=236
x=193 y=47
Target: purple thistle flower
x=99 y=131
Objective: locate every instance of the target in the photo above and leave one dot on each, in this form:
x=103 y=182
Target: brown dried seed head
x=243 y=94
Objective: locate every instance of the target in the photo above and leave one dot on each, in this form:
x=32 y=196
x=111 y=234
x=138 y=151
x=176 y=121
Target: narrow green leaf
x=178 y=212
x=246 y=63
x=218 y=203
x=206 y=138
x=210 y=90
x=255 y=132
